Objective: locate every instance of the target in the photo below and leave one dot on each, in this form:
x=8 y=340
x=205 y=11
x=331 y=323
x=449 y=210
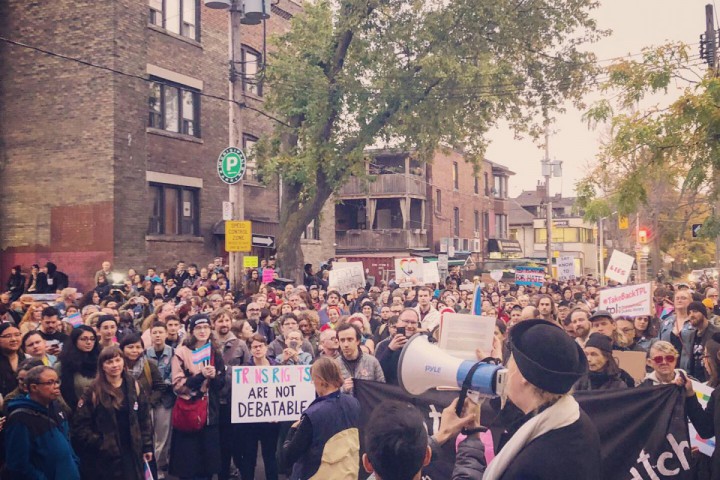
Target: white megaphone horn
x=423 y=366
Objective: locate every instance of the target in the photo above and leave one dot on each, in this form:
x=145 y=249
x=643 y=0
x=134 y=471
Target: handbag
x=190 y=415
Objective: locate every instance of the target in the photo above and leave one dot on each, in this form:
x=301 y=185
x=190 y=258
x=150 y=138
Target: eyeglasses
x=258 y=347
x=667 y=359
x=410 y=322
x=11 y=335
x=49 y=382
x=86 y=339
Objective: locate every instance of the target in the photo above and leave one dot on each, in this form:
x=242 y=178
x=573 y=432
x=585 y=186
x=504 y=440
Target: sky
x=635 y=24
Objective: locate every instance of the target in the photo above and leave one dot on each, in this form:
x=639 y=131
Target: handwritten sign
x=409 y=270
x=632 y=300
x=250 y=261
x=270 y=394
x=347 y=277
x=431 y=273
x=619 y=267
x=267 y=276
x=566 y=268
x=525 y=275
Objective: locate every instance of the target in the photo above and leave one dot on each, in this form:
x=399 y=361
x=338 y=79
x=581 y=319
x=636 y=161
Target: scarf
x=563 y=413
x=137 y=369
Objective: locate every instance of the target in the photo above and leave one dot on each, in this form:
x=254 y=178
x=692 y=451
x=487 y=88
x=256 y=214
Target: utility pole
x=235 y=128
x=549 y=169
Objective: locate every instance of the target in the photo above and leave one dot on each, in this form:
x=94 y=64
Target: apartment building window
x=500 y=226
x=476 y=223
x=438 y=201
x=486 y=224
x=250 y=71
x=487 y=185
x=456 y=222
x=177 y=16
x=174 y=108
x=456 y=176
x=174 y=210
x=249 y=143
x=477 y=185
x=312 y=231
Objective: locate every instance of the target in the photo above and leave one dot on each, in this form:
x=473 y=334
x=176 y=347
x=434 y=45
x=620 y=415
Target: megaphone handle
x=467 y=383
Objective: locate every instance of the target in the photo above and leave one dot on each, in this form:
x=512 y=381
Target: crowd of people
x=106 y=384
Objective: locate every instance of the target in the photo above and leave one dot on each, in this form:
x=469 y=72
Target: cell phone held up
x=401 y=331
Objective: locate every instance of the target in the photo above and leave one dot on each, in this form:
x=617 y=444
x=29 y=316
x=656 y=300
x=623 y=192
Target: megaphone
x=423 y=366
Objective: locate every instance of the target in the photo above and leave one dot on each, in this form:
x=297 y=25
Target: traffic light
x=643 y=235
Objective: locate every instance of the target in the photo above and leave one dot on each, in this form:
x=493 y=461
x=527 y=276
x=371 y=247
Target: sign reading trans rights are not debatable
x=270 y=394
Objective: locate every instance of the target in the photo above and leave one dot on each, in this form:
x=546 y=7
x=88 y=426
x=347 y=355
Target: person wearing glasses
x=37 y=435
x=662 y=358
x=388 y=351
x=10 y=356
x=77 y=364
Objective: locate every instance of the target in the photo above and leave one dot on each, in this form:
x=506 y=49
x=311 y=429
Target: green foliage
x=416 y=74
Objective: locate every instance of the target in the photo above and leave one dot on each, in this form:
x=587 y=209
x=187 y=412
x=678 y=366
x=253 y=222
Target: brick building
x=415 y=208
x=96 y=164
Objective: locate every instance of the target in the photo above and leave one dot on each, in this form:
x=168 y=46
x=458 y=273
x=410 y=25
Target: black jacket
x=707 y=424
x=600 y=381
x=568 y=453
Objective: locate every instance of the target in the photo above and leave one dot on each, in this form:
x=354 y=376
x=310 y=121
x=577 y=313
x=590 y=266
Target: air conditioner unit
x=416 y=231
x=476 y=246
x=423 y=231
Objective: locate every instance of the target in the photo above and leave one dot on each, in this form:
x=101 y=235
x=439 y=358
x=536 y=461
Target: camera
x=293 y=344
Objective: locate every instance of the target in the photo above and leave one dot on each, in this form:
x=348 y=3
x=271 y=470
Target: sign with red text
x=619 y=267
x=632 y=300
x=527 y=275
x=276 y=393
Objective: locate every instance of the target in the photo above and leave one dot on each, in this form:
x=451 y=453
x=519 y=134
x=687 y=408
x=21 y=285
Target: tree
x=661 y=159
x=415 y=73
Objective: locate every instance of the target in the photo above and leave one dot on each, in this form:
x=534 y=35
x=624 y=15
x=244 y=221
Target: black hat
x=105 y=318
x=698 y=307
x=599 y=341
x=601 y=314
x=199 y=319
x=546 y=356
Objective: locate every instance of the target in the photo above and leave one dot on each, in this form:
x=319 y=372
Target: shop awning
x=504 y=246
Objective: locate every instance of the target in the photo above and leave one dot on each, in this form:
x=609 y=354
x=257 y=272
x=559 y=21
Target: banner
x=619 y=267
x=643 y=434
x=347 y=277
x=566 y=268
x=525 y=275
x=632 y=300
x=409 y=270
x=270 y=394
x=706 y=446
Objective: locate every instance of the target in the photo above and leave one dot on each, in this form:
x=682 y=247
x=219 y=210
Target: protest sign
x=632 y=300
x=632 y=362
x=619 y=267
x=409 y=270
x=250 y=261
x=706 y=446
x=642 y=430
x=525 y=275
x=267 y=275
x=461 y=334
x=270 y=394
x=431 y=273
x=347 y=277
x=566 y=268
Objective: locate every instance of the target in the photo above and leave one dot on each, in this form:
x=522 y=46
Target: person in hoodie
x=278 y=347
x=16 y=283
x=37 y=439
x=604 y=373
x=54 y=279
x=662 y=357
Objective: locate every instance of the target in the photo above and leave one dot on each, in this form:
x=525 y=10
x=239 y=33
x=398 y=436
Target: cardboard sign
x=632 y=300
x=496 y=275
x=705 y=445
x=267 y=276
x=250 y=261
x=270 y=394
x=347 y=277
x=461 y=334
x=632 y=362
x=409 y=270
x=619 y=267
x=566 y=268
x=431 y=273
x=525 y=275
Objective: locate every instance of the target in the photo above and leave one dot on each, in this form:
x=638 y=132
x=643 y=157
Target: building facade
x=406 y=207
x=129 y=137
x=571 y=234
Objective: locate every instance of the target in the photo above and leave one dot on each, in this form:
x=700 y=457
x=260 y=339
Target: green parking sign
x=231 y=165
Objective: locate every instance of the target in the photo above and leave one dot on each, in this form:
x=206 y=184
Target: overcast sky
x=635 y=24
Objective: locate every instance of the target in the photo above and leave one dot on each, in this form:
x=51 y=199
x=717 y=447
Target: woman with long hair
x=198 y=374
x=646 y=330
x=10 y=357
x=252 y=286
x=144 y=370
x=31 y=320
x=77 y=364
x=604 y=373
x=112 y=429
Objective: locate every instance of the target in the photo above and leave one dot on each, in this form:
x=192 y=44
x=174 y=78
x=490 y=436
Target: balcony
x=379 y=240
x=393 y=184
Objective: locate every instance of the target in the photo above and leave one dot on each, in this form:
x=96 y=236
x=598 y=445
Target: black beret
x=546 y=355
x=599 y=341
